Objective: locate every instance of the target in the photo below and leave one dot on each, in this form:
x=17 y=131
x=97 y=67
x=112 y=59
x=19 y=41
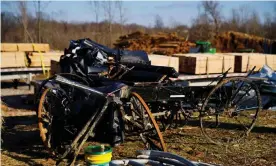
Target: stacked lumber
x=246 y=61
x=234 y=41
x=205 y=63
x=8 y=47
x=161 y=60
x=12 y=59
x=41 y=47
x=38 y=59
x=25 y=47
x=161 y=43
x=27 y=55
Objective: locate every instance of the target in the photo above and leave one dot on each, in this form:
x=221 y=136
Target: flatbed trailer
x=16 y=74
x=204 y=80
x=206 y=76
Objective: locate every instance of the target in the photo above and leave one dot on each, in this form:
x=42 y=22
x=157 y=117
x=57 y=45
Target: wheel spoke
x=149 y=128
x=241 y=123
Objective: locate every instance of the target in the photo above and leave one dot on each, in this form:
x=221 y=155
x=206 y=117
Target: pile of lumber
x=38 y=59
x=25 y=47
x=220 y=62
x=12 y=59
x=14 y=55
x=161 y=60
x=246 y=61
x=234 y=41
x=161 y=43
x=205 y=63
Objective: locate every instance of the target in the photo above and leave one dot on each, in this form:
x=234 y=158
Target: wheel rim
x=141 y=122
x=226 y=116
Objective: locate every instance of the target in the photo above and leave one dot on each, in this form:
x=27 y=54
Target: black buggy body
x=87 y=58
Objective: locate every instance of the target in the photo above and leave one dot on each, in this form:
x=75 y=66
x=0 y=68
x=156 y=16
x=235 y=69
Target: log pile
x=161 y=43
x=234 y=41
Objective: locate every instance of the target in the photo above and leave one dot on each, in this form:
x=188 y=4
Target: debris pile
x=161 y=43
x=235 y=41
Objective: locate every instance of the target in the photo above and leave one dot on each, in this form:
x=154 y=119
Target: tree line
x=21 y=26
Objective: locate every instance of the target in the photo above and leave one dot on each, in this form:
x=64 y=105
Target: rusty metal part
x=43 y=131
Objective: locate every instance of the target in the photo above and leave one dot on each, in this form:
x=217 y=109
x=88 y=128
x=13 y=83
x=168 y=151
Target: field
x=22 y=145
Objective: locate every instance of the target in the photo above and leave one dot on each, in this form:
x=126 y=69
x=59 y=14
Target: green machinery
x=204 y=47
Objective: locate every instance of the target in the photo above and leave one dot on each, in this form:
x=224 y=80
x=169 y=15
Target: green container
x=212 y=50
x=98 y=155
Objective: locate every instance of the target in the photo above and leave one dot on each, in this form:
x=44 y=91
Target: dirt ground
x=22 y=145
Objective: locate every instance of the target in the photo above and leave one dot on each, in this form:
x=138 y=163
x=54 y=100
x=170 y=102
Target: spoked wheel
x=51 y=121
x=139 y=120
x=175 y=118
x=230 y=111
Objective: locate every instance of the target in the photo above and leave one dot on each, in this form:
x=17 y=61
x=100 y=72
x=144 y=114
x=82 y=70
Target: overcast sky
x=142 y=12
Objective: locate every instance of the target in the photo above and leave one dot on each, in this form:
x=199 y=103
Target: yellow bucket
x=98 y=155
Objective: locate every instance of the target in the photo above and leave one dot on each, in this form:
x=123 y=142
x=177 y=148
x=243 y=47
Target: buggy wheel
x=139 y=120
x=230 y=111
x=51 y=122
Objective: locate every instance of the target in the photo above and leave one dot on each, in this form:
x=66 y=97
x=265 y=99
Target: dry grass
x=22 y=145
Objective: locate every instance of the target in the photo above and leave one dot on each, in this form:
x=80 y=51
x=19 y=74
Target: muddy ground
x=22 y=145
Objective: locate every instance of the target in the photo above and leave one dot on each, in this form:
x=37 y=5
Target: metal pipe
x=135 y=162
x=78 y=85
x=154 y=153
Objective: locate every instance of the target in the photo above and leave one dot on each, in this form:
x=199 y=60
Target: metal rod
x=78 y=85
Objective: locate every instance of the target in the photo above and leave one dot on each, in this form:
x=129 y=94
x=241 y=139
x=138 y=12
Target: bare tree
x=122 y=18
x=234 y=21
x=96 y=9
x=39 y=8
x=38 y=17
x=212 y=10
x=244 y=14
x=158 y=23
x=268 y=26
x=173 y=22
x=109 y=15
x=255 y=24
x=201 y=28
x=22 y=5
